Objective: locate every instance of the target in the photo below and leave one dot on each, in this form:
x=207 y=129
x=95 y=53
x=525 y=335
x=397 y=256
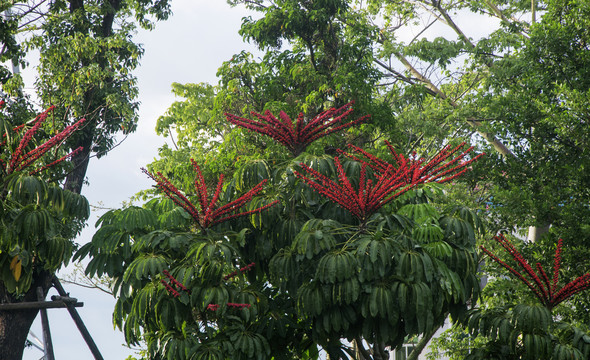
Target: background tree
x=541 y=84
x=87 y=56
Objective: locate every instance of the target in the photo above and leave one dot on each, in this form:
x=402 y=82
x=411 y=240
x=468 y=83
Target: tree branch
x=421 y=345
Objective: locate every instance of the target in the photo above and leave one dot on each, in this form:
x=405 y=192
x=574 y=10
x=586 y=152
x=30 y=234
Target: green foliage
x=38 y=219
x=318 y=277
x=86 y=59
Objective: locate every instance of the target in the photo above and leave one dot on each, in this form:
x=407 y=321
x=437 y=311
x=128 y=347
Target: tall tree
x=38 y=221
x=325 y=262
x=86 y=59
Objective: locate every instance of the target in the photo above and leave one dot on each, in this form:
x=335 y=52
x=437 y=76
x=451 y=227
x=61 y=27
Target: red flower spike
x=556 y=264
x=392 y=179
x=242 y=270
x=215 y=307
x=238 y=306
x=442 y=168
x=368 y=199
x=208 y=214
x=170 y=289
x=20 y=160
x=173 y=281
x=545 y=291
x=297 y=138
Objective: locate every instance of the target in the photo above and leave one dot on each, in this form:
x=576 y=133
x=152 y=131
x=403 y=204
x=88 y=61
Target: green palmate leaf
x=336 y=319
x=346 y=292
x=562 y=352
x=284 y=265
x=438 y=249
x=336 y=265
x=419 y=212
x=458 y=230
x=57 y=251
x=415 y=266
x=381 y=302
x=76 y=205
x=136 y=218
x=144 y=301
x=310 y=299
x=151 y=240
x=27 y=189
x=286 y=231
x=251 y=173
x=204 y=251
x=34 y=223
x=424 y=306
x=315 y=237
x=450 y=283
x=425 y=233
x=531 y=318
x=146 y=266
x=376 y=253
x=111 y=239
x=176 y=218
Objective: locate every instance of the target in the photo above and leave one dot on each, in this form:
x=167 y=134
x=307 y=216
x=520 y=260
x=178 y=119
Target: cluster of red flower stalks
x=21 y=159
x=544 y=289
x=172 y=284
x=214 y=307
x=296 y=137
x=208 y=213
x=242 y=270
x=391 y=180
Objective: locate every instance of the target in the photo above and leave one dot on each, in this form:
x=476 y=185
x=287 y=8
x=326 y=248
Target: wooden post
x=78 y=320
x=47 y=344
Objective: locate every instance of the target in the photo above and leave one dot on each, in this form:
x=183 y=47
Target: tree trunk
x=535 y=232
x=76 y=177
x=14 y=328
x=15 y=324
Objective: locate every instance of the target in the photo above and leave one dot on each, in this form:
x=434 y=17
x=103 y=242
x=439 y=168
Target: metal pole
x=78 y=320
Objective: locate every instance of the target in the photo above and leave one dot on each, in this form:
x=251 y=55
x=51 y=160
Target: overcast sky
x=187 y=48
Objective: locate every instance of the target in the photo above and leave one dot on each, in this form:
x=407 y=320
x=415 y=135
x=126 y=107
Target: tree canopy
x=309 y=261
x=301 y=231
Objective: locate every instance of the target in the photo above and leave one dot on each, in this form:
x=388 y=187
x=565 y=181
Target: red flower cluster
x=391 y=180
x=296 y=137
x=208 y=214
x=172 y=284
x=441 y=168
x=238 y=306
x=212 y=307
x=539 y=283
x=21 y=159
x=215 y=307
x=242 y=270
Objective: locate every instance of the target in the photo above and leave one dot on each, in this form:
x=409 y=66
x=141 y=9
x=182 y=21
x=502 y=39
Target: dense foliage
x=38 y=221
x=309 y=270
x=518 y=91
x=86 y=59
